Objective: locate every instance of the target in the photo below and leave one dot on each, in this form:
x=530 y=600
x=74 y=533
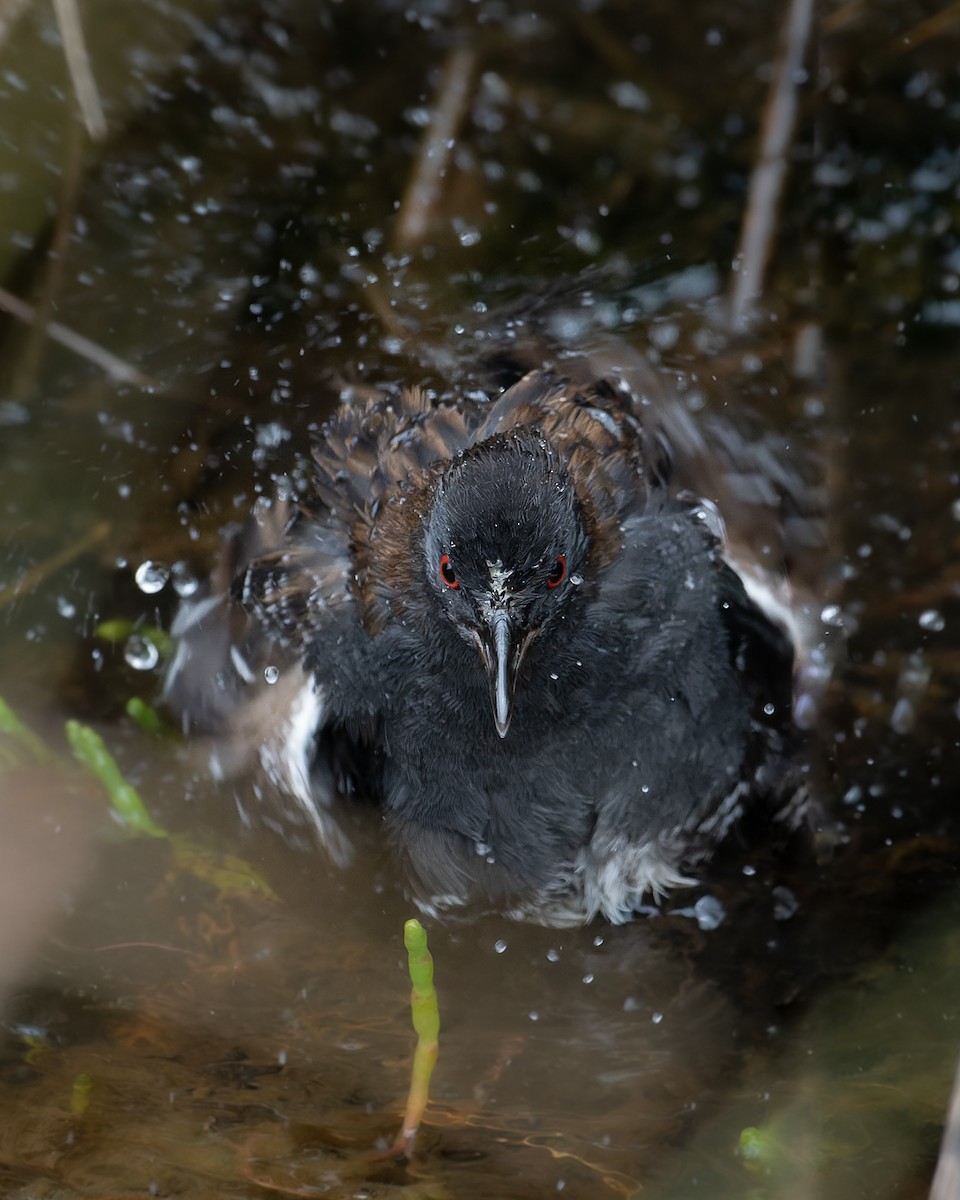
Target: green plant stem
x=426 y=1023
x=90 y=749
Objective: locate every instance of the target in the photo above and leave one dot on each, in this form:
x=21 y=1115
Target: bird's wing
x=297 y=569
x=237 y=675
x=377 y=441
x=766 y=486
x=284 y=595
x=765 y=495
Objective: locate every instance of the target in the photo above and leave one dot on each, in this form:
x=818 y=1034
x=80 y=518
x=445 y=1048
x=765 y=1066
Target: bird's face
x=503 y=551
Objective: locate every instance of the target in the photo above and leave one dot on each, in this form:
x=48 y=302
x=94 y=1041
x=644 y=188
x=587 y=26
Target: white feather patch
x=613 y=877
x=287 y=757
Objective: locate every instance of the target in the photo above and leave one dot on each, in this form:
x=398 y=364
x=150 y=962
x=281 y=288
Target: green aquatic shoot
x=759 y=1148
x=118 y=630
x=36 y=1048
x=90 y=749
x=80 y=1094
x=426 y=1024
x=146 y=717
x=13 y=727
x=229 y=875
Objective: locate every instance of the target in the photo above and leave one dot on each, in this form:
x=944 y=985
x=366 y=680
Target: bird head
x=503 y=549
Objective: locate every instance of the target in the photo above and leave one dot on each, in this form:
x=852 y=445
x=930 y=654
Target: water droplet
x=657 y=1018
x=65 y=608
x=534 y=1016
x=709 y=913
x=140 y=653
x=271 y=434
x=553 y=955
x=500 y=946
x=588 y=978
x=576 y=580
x=271 y=674
x=932 y=620
x=185 y=583
x=805 y=711
x=813 y=406
x=151 y=576
x=903 y=717
x=598 y=940
x=785 y=904
x=645 y=788
x=769 y=709
x=554 y=676
x=626 y=94
x=466 y=234
x=831 y=614
x=665 y=336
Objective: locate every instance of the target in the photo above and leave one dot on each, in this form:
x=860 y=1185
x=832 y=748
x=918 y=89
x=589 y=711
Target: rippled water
x=243 y=1024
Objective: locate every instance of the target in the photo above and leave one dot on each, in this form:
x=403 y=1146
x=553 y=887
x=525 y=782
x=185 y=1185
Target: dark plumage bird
x=525 y=619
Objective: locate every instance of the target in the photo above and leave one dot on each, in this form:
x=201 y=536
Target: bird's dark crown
x=504 y=511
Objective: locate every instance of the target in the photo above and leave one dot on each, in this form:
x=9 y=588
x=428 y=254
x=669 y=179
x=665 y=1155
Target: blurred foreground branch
x=946 y=1181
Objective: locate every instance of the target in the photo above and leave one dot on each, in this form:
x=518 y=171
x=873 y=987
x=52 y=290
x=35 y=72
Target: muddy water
x=242 y=1024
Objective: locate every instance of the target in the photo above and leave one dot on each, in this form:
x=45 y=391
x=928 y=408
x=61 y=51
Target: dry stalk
x=766 y=180
x=110 y=364
x=423 y=190
x=78 y=64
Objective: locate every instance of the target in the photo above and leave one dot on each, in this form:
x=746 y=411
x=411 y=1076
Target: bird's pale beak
x=502 y=646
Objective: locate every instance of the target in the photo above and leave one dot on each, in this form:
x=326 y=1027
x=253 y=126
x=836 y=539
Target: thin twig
x=145 y=946
x=28 y=364
x=423 y=190
x=930 y=28
x=36 y=575
x=841 y=17
x=380 y=306
x=115 y=368
x=78 y=64
x=615 y=52
x=766 y=180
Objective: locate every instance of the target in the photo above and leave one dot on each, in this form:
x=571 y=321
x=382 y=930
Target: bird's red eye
x=559 y=572
x=447 y=573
